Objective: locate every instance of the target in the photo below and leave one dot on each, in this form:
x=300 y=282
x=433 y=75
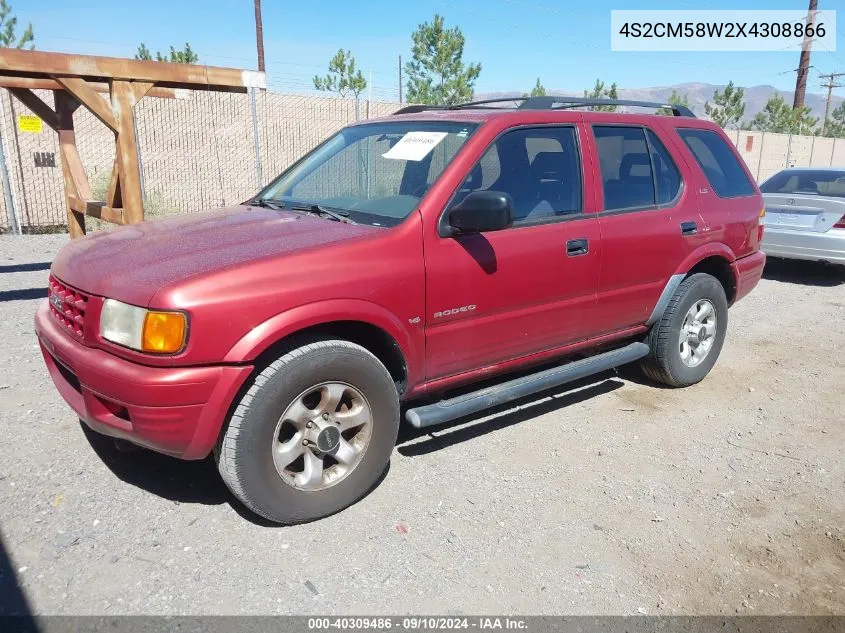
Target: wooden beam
x=34 y=83
x=127 y=153
x=90 y=99
x=96 y=209
x=34 y=103
x=76 y=183
x=100 y=210
x=43 y=64
x=140 y=89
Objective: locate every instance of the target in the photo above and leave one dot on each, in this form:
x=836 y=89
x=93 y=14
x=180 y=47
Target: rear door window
x=719 y=163
x=626 y=171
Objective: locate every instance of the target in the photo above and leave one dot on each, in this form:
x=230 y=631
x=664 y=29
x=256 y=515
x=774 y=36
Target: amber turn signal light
x=164 y=332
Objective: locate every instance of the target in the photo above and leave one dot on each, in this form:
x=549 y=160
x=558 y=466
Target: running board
x=469 y=403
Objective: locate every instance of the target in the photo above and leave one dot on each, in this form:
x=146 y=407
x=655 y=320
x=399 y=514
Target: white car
x=805 y=214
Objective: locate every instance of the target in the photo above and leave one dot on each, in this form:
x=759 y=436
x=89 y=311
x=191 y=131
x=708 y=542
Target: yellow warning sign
x=29 y=123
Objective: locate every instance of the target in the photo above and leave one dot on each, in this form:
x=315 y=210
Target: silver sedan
x=805 y=214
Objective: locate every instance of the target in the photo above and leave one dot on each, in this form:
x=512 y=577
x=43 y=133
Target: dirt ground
x=613 y=497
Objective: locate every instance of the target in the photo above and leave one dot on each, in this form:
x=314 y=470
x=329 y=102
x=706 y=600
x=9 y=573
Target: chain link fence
x=198 y=151
x=209 y=149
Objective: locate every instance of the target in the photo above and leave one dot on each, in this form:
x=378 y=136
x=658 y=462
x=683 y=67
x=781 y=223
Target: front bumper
x=174 y=410
x=828 y=246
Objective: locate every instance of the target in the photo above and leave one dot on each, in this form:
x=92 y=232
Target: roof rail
x=547 y=103
x=411 y=109
x=553 y=103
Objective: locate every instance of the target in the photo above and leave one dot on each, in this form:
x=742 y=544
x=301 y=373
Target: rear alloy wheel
x=685 y=343
x=698 y=333
x=313 y=434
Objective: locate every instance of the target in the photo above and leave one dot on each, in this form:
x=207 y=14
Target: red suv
x=398 y=263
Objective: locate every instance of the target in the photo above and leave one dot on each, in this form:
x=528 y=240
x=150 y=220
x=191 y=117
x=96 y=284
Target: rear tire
x=292 y=451
x=685 y=343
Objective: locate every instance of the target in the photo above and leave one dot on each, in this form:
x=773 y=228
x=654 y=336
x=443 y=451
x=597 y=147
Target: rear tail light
x=761 y=224
x=840 y=224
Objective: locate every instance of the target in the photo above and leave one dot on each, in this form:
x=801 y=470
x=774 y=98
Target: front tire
x=313 y=434
x=685 y=343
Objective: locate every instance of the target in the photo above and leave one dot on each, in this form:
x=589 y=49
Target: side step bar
x=467 y=404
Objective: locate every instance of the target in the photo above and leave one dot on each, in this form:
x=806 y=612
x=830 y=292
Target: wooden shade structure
x=81 y=80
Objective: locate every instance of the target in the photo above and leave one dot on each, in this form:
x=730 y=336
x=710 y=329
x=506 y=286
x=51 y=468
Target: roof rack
x=552 y=103
x=411 y=109
x=483 y=105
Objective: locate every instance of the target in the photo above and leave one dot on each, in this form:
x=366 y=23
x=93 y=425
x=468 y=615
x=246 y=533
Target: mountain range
x=697 y=94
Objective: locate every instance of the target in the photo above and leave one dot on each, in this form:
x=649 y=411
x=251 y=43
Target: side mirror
x=482 y=211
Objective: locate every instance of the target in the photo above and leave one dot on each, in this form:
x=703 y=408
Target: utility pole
x=259 y=35
x=830 y=85
x=804 y=64
x=400 y=79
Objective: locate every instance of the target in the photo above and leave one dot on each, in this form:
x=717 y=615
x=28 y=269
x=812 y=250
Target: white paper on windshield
x=415 y=145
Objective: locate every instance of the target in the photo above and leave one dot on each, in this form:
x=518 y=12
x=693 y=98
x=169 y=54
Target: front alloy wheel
x=313 y=433
x=322 y=436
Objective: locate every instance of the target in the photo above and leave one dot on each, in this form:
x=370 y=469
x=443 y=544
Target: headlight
x=141 y=329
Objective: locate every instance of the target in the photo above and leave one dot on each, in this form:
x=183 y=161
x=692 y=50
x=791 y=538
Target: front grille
x=67 y=305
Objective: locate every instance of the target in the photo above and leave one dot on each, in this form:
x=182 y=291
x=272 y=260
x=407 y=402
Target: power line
x=205 y=54
x=831 y=53
x=822 y=11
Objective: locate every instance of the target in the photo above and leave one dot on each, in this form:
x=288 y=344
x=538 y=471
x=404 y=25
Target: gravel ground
x=617 y=497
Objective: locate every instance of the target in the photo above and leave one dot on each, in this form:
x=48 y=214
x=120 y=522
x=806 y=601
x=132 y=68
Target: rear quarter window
x=719 y=163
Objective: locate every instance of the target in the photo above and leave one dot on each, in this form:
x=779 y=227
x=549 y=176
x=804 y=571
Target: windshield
x=376 y=173
x=820 y=182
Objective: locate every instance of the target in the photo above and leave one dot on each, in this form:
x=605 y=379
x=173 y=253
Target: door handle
x=577 y=247
x=689 y=228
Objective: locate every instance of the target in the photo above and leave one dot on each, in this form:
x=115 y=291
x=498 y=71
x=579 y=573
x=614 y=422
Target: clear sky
x=564 y=42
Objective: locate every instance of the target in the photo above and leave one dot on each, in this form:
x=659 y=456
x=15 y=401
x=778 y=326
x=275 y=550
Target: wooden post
x=127 y=152
x=76 y=184
x=113 y=192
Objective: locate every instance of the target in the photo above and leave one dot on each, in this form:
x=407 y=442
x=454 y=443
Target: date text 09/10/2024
x=410 y=623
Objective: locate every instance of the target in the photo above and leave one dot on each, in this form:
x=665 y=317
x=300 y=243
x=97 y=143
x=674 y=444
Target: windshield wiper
x=267 y=203
x=338 y=215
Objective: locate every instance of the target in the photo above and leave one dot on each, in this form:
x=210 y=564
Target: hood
x=131 y=263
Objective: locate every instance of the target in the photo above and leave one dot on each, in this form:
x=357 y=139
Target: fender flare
x=289 y=322
x=703 y=252
x=712 y=249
